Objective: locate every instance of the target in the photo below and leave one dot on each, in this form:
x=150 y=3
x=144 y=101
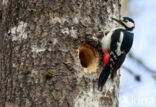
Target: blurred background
x=138 y=74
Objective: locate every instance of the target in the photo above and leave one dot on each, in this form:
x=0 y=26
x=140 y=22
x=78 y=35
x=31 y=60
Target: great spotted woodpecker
x=115 y=46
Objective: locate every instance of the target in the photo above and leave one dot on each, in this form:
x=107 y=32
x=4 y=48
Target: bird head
x=126 y=22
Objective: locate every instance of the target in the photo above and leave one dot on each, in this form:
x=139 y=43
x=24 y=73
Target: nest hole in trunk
x=89 y=58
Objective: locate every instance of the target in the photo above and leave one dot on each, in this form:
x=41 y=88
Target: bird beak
x=119 y=21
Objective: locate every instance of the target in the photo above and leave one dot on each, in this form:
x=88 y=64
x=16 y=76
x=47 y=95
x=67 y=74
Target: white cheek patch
x=130 y=24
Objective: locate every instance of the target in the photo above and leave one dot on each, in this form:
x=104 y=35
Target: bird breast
x=106 y=41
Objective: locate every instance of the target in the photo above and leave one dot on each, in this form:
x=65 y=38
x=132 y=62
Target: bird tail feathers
x=103 y=77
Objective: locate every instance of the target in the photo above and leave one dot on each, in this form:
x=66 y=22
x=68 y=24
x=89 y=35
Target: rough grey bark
x=40 y=36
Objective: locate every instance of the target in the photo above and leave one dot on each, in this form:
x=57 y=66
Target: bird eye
x=126 y=21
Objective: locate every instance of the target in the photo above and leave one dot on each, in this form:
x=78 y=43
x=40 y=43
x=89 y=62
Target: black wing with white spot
x=120 y=46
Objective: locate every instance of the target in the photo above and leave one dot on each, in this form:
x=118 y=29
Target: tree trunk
x=50 y=56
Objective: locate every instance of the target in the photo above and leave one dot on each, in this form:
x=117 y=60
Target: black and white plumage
x=117 y=42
